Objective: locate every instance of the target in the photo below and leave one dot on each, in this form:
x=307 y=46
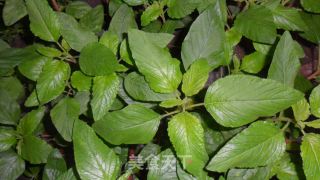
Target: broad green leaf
x=110 y=40
x=181 y=8
x=254 y=62
x=153 y=27
x=171 y=103
x=4 y=45
x=149 y=150
x=135 y=2
x=263 y=48
x=125 y=52
x=94 y=159
x=310 y=153
x=76 y=35
x=261 y=173
x=237 y=100
x=7 y=139
x=93 y=20
x=182 y=174
x=159 y=39
x=43 y=21
x=312 y=31
x=63 y=116
x=11 y=57
x=11 y=165
x=83 y=98
x=260 y=144
x=134 y=124
x=12 y=86
x=104 y=91
x=9 y=109
x=114 y=6
x=33 y=68
x=311 y=5
x=137 y=87
x=285 y=169
x=301 y=110
x=314 y=100
x=68 y=175
x=55 y=166
x=80 y=81
x=288 y=18
x=49 y=51
x=13 y=11
x=302 y=84
x=187 y=136
x=151 y=13
x=29 y=123
x=256 y=23
x=171 y=25
x=97 y=60
x=122 y=21
x=205 y=39
x=34 y=150
x=161 y=71
x=314 y=123
x=52 y=80
x=196 y=77
x=78 y=9
x=233 y=37
x=163 y=166
x=287 y=52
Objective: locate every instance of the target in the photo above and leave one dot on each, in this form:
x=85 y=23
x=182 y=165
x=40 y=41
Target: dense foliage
x=159 y=89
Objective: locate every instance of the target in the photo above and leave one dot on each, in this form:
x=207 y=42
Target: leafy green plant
x=156 y=89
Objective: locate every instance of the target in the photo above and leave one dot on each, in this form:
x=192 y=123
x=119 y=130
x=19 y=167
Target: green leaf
x=137 y=87
x=76 y=35
x=9 y=109
x=163 y=166
x=110 y=40
x=104 y=92
x=52 y=80
x=260 y=144
x=80 y=81
x=310 y=153
x=4 y=45
x=97 y=60
x=93 y=20
x=33 y=68
x=125 y=52
x=314 y=100
x=196 y=77
x=288 y=18
x=254 y=62
x=55 y=166
x=31 y=143
x=171 y=103
x=237 y=100
x=187 y=136
x=287 y=52
x=205 y=39
x=83 y=98
x=12 y=86
x=285 y=169
x=29 y=123
x=311 y=5
x=151 y=13
x=314 y=123
x=13 y=11
x=11 y=165
x=94 y=159
x=256 y=23
x=78 y=9
x=249 y=174
x=134 y=124
x=43 y=21
x=135 y=2
x=161 y=71
x=312 y=31
x=171 y=25
x=68 y=175
x=122 y=21
x=182 y=174
x=63 y=116
x=49 y=51
x=7 y=139
x=181 y=8
x=11 y=57
x=301 y=110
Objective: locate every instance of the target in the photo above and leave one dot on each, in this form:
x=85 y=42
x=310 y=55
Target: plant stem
x=194 y=105
x=285 y=126
x=317 y=72
x=170 y=113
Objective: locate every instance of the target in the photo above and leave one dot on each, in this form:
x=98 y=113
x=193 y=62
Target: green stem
x=170 y=114
x=285 y=126
x=194 y=105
